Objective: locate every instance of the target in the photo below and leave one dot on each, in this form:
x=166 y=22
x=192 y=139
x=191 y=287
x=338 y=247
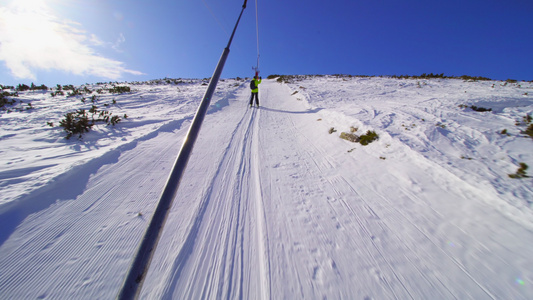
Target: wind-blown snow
x=272 y=205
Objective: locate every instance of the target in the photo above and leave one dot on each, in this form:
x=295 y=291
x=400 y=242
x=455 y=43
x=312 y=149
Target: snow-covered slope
x=272 y=205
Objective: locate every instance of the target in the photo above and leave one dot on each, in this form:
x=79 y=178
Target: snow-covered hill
x=272 y=204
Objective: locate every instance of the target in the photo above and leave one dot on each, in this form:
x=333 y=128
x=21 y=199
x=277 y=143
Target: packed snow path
x=270 y=209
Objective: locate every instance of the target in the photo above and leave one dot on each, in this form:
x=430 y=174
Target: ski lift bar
x=134 y=280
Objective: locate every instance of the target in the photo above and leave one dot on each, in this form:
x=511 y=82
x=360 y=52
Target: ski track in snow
x=272 y=207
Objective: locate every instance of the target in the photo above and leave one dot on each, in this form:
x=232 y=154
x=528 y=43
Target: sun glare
x=34 y=37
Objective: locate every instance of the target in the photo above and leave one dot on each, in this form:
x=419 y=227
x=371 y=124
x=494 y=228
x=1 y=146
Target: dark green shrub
x=76 y=123
x=114 y=120
x=22 y=88
x=480 y=109
x=82 y=121
x=368 y=138
x=41 y=87
x=75 y=92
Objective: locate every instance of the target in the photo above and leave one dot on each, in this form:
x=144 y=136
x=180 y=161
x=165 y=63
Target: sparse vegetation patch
x=4 y=100
x=81 y=121
x=350 y=137
x=364 y=139
x=76 y=123
x=120 y=89
x=521 y=172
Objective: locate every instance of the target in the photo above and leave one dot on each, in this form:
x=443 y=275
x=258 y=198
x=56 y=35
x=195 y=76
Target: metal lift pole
x=134 y=280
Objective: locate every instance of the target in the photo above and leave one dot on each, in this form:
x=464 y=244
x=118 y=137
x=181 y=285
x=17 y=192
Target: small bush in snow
x=74 y=92
x=22 y=87
x=114 y=120
x=480 y=109
x=332 y=130
x=368 y=138
x=364 y=139
x=521 y=172
x=76 y=123
x=475 y=108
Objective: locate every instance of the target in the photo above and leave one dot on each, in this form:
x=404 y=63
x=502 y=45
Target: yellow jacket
x=257 y=82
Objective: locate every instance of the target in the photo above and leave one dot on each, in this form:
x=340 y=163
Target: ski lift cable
x=215 y=17
x=257 y=33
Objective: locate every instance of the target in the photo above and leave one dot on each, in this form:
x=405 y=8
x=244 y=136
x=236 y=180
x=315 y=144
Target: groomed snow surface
x=272 y=205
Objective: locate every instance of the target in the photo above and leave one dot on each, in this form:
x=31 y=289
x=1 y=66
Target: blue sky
x=87 y=41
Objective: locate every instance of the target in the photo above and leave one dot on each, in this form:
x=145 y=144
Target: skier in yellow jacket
x=254 y=85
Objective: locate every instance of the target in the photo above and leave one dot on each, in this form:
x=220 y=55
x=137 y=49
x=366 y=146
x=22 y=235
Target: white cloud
x=32 y=38
x=121 y=39
x=96 y=41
